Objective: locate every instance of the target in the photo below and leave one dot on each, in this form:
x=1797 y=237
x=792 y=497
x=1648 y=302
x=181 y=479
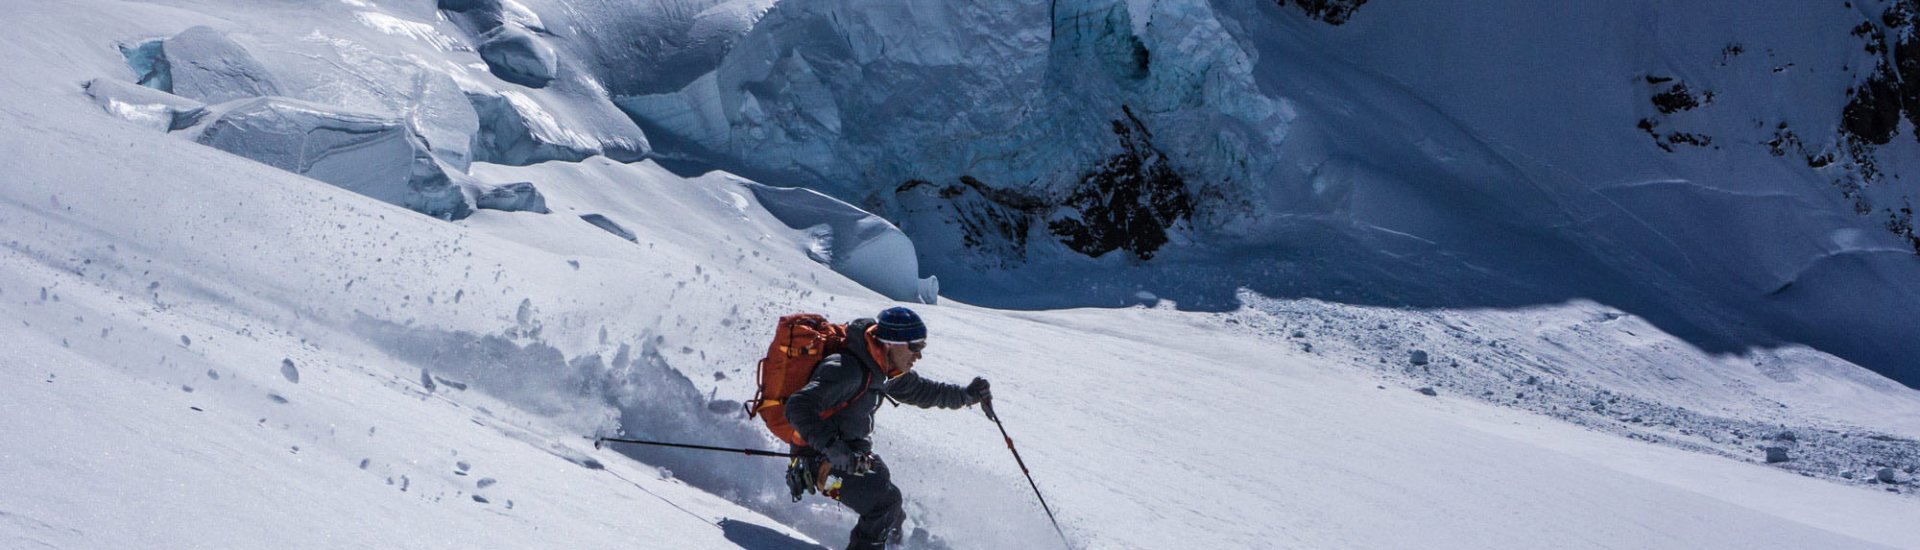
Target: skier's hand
x=977 y=391
x=862 y=463
x=839 y=455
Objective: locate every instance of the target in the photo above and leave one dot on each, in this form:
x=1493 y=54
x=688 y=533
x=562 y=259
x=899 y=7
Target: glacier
x=1301 y=151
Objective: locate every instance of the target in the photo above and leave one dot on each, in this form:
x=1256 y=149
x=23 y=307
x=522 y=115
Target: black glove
x=844 y=458
x=977 y=391
x=838 y=453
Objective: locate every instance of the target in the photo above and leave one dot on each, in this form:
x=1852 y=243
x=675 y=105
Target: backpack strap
x=865 y=383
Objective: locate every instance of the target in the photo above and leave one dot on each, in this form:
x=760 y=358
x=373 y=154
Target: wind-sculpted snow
x=203 y=64
x=631 y=47
x=513 y=197
x=606 y=224
x=855 y=243
x=369 y=155
x=144 y=106
x=518 y=56
x=514 y=130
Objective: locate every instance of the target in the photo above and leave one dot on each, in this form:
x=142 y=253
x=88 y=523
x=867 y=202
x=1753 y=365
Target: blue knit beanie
x=900 y=325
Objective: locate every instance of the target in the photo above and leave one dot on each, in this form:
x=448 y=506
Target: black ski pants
x=877 y=500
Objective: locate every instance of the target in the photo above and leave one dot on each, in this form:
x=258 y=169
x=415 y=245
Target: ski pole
x=987 y=405
x=753 y=452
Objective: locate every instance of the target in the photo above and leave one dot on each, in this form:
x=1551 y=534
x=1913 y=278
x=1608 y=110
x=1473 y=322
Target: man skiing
x=878 y=363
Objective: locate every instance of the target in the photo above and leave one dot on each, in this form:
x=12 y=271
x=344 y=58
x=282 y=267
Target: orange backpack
x=800 y=341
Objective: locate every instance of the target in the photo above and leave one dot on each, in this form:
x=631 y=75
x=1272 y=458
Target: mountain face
x=1730 y=174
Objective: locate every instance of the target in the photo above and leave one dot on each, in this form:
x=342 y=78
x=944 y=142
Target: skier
x=878 y=363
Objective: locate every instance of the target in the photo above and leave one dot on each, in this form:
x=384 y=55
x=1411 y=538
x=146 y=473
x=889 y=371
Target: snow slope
x=374 y=365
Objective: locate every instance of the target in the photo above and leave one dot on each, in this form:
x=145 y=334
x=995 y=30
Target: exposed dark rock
x=1332 y=12
x=1128 y=202
x=1777 y=455
x=1675 y=99
x=1419 y=357
x=993 y=221
x=1667 y=141
x=1872 y=115
x=1783 y=141
x=1731 y=51
x=1900 y=222
x=1428 y=391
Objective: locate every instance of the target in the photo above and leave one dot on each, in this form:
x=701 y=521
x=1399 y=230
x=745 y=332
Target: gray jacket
x=840 y=376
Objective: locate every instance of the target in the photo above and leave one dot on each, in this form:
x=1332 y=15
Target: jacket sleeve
x=914 y=390
x=833 y=382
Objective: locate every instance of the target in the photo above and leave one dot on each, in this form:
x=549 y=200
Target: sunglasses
x=914 y=346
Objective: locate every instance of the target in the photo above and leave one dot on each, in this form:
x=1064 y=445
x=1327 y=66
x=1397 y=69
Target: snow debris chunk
x=513 y=197
x=455 y=384
x=602 y=222
x=515 y=130
x=373 y=156
x=290 y=372
x=142 y=105
x=1777 y=455
x=205 y=65
x=518 y=56
x=855 y=243
x=1427 y=391
x=1887 y=475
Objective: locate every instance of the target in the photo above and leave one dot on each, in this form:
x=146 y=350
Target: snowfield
x=205 y=348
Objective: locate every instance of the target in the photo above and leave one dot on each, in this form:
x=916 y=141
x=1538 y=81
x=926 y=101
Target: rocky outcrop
x=1332 y=12
x=1128 y=203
